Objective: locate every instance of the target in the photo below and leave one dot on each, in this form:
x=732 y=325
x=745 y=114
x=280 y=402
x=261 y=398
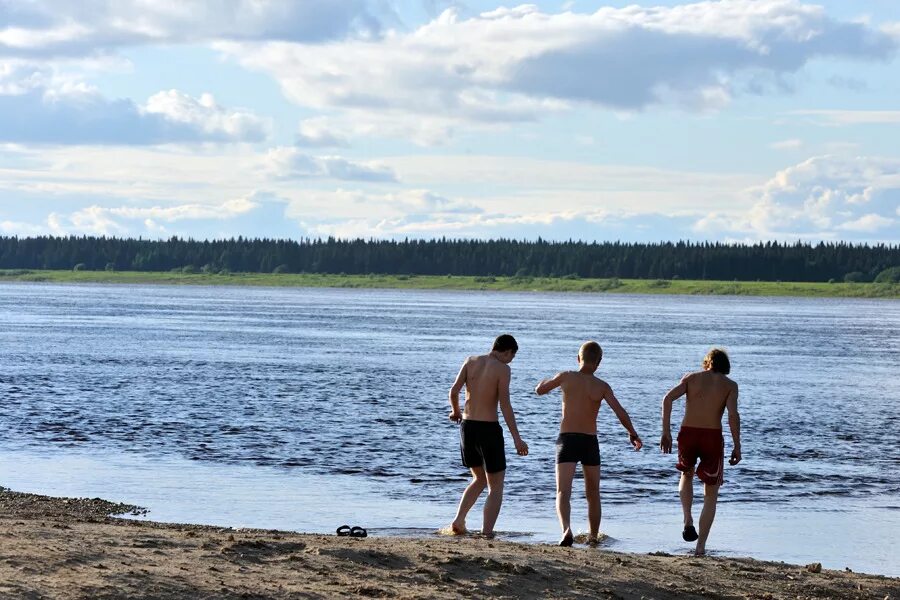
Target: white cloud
x=286 y=163
x=530 y=184
x=793 y=144
x=19 y=228
x=36 y=106
x=100 y=220
x=65 y=28
x=206 y=117
x=551 y=225
x=868 y=223
x=318 y=133
x=518 y=64
x=259 y=213
x=424 y=202
x=842 y=118
x=171 y=214
x=92 y=220
x=821 y=198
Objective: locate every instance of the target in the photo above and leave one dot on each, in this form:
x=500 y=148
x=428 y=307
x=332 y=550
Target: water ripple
x=355 y=382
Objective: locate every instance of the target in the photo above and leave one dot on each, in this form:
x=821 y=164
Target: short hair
x=591 y=352
x=505 y=342
x=716 y=360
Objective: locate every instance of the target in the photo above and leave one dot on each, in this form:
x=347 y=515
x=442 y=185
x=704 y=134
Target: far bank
x=459 y=282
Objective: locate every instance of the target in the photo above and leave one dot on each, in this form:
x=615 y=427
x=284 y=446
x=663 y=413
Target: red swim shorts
x=709 y=446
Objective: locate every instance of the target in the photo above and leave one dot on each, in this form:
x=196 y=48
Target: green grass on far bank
x=537 y=284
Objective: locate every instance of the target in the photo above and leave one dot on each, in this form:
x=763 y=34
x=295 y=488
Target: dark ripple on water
x=355 y=382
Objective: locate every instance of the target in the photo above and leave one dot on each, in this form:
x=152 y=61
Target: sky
x=732 y=120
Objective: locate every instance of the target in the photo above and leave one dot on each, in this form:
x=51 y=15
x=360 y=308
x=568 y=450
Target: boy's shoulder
x=601 y=382
x=692 y=375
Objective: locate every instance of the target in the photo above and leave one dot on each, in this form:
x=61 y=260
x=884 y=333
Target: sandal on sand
x=344 y=530
x=689 y=534
x=567 y=540
x=358 y=532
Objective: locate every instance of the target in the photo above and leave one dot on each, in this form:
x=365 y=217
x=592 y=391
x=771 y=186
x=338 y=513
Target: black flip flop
x=344 y=530
x=358 y=532
x=689 y=534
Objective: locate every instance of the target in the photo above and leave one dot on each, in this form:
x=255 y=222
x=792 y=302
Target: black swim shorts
x=481 y=445
x=578 y=447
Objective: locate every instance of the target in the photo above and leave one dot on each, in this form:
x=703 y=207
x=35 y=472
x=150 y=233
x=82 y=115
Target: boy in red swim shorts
x=709 y=393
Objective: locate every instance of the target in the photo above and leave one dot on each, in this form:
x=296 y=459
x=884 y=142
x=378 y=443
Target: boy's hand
x=735 y=456
x=455 y=416
x=521 y=446
x=665 y=443
x=635 y=441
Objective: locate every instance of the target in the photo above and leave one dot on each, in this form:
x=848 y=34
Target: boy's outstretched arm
x=548 y=385
x=624 y=419
x=455 y=414
x=508 y=415
x=734 y=423
x=665 y=442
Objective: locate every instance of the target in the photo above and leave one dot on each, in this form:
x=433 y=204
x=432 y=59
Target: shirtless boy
x=577 y=442
x=709 y=393
x=486 y=379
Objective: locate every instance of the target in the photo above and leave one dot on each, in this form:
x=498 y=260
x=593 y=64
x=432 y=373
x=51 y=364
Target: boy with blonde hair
x=577 y=442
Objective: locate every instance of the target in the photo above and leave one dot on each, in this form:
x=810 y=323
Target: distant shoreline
x=460 y=282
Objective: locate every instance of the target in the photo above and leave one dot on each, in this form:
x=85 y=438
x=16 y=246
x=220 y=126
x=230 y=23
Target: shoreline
x=468 y=283
x=70 y=548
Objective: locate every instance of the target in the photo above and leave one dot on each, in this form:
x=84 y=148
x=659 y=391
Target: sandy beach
x=73 y=548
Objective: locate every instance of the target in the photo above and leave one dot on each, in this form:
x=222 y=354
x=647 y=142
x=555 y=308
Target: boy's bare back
x=582 y=394
x=708 y=393
x=484 y=376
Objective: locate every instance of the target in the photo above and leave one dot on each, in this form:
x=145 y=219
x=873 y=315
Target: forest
x=764 y=261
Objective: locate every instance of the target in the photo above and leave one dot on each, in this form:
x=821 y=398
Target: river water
x=306 y=408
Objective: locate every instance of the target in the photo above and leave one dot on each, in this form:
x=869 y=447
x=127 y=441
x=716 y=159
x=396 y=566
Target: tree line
x=765 y=261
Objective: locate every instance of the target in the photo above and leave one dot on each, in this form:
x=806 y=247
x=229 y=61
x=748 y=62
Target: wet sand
x=73 y=548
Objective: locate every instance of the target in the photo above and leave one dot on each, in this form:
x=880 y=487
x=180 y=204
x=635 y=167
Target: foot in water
x=689 y=534
x=458 y=529
x=568 y=539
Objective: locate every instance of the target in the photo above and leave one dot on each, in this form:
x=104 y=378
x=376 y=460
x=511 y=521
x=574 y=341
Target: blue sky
x=732 y=120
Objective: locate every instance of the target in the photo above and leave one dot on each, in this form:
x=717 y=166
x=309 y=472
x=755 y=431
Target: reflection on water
x=354 y=383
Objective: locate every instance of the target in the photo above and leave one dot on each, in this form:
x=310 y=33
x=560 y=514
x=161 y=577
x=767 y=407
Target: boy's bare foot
x=488 y=535
x=700 y=551
x=568 y=539
x=457 y=529
x=593 y=541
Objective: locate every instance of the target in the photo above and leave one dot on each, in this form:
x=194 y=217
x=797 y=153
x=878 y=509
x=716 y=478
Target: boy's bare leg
x=592 y=493
x=565 y=472
x=493 y=502
x=470 y=495
x=710 y=497
x=686 y=492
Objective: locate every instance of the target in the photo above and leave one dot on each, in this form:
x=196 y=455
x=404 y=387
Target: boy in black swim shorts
x=577 y=442
x=486 y=379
